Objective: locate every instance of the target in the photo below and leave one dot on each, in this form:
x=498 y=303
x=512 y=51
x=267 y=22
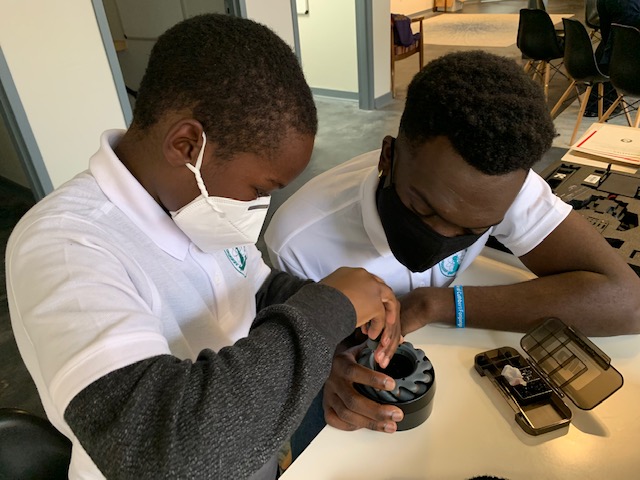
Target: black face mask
x=412 y=242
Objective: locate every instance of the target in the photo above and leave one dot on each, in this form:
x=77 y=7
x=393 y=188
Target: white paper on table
x=612 y=141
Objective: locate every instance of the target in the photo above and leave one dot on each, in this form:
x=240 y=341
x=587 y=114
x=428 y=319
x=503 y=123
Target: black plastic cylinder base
x=415 y=411
x=415 y=384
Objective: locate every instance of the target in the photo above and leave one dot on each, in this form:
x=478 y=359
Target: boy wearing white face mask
x=160 y=342
x=217 y=223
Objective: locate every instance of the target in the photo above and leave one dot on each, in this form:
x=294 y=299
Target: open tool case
x=560 y=362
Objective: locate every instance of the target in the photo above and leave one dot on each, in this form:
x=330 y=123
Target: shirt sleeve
x=81 y=309
x=533 y=215
x=224 y=415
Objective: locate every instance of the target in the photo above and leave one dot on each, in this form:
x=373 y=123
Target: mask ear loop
x=199 y=181
x=196 y=169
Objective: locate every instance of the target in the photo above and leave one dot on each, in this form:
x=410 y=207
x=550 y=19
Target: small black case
x=561 y=362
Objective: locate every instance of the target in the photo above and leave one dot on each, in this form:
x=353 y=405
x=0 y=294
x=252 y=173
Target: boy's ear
x=182 y=142
x=386 y=155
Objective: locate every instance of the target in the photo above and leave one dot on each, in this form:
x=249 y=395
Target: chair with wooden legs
x=405 y=43
x=539 y=43
x=624 y=70
x=580 y=63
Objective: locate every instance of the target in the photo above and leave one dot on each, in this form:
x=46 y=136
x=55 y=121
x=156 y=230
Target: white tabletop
x=472 y=431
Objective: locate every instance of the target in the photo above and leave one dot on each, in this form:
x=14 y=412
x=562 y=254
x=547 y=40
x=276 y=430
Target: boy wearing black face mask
x=414 y=243
x=417 y=212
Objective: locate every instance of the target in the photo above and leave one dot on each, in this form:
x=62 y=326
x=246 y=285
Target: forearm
x=226 y=414
x=594 y=303
x=277 y=288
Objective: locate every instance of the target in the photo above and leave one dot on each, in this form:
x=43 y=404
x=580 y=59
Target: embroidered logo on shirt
x=449 y=266
x=238 y=258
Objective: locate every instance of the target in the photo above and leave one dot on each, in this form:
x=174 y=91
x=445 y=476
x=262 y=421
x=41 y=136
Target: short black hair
x=494 y=115
x=237 y=77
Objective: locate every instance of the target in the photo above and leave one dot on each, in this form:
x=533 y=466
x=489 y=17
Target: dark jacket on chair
x=402 y=33
x=623 y=12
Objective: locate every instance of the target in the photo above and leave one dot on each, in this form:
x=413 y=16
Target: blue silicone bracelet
x=459 y=302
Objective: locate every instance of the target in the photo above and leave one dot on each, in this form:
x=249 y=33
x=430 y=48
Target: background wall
x=328 y=45
x=381 y=48
x=276 y=14
x=57 y=61
x=140 y=22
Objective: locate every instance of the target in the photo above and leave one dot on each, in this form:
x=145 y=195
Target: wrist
x=429 y=305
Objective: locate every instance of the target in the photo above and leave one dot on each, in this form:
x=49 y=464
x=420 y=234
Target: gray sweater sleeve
x=226 y=414
x=277 y=288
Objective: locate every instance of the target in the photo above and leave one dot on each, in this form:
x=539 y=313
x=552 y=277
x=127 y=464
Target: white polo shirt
x=100 y=277
x=333 y=221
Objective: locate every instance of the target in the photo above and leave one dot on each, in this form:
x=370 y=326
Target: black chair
x=539 y=44
x=582 y=67
x=31 y=448
x=591 y=16
x=624 y=69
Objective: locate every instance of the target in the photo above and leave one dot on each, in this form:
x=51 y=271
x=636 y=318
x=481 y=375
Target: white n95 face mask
x=217 y=223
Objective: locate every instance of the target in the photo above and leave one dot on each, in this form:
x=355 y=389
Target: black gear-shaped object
x=415 y=383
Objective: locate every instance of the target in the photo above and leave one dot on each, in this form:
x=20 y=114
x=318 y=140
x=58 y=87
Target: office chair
x=582 y=67
x=405 y=43
x=31 y=448
x=624 y=69
x=539 y=44
x=591 y=16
